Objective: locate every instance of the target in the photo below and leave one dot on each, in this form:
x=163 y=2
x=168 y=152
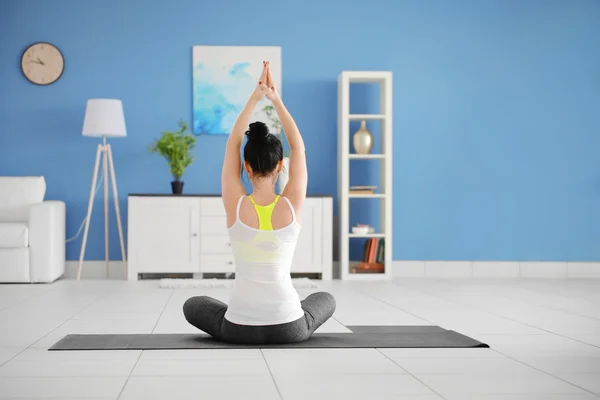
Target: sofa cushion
x=13 y=235
x=14 y=213
x=21 y=190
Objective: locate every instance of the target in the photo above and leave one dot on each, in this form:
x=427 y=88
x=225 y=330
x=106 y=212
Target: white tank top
x=263 y=293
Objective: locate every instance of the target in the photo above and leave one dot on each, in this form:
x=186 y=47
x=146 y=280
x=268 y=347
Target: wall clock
x=42 y=63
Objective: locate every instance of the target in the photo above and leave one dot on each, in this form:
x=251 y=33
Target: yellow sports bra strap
x=264 y=214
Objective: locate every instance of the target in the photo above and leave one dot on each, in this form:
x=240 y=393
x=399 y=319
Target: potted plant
x=176 y=148
x=284 y=175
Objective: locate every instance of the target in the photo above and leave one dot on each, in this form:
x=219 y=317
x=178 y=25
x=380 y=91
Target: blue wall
x=497 y=108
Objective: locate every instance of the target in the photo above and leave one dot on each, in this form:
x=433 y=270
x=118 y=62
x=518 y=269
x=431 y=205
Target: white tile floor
x=544 y=337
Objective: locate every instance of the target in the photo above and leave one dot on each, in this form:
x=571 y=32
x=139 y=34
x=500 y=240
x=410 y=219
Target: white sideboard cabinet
x=188 y=234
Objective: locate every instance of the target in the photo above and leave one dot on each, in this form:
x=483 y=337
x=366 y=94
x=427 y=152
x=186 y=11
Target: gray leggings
x=208 y=315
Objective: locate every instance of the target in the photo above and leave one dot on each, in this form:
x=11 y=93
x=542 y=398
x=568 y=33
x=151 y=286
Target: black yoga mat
x=361 y=337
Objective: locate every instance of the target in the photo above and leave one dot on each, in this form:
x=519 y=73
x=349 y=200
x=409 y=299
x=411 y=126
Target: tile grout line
x=25 y=300
x=504 y=317
x=271 y=373
x=537 y=304
x=478 y=309
x=13 y=357
x=546 y=281
x=163 y=310
x=366 y=294
x=142 y=351
x=505 y=355
x=395 y=306
x=129 y=376
x=409 y=373
x=547 y=373
x=73 y=316
x=508 y=356
x=45 y=291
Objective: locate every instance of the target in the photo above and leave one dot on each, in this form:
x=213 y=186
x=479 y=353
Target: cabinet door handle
x=229 y=244
x=229 y=262
x=194 y=234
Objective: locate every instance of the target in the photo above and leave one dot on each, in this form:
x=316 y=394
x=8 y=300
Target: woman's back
x=282 y=213
x=263 y=239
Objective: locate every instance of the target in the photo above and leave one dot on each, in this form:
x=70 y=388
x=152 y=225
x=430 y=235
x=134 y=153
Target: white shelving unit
x=384 y=79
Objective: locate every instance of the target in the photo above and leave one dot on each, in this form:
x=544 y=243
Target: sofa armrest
x=47 y=243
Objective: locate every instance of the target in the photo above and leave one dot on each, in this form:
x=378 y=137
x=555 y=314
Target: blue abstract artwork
x=223 y=79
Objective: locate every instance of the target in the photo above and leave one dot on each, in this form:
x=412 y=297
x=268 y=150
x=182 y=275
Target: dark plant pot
x=177 y=187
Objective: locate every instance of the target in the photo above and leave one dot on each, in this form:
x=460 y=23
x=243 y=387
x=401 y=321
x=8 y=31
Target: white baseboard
x=414 y=269
x=496 y=269
x=95 y=270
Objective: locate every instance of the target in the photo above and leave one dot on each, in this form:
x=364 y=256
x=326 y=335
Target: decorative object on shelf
x=223 y=77
x=360 y=229
x=284 y=175
x=362 y=189
x=103 y=118
x=42 y=63
x=362 y=139
x=176 y=148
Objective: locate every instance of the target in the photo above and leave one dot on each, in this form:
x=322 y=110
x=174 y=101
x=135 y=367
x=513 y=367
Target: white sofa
x=32 y=232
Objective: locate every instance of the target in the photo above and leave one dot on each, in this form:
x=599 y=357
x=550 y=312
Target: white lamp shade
x=104 y=117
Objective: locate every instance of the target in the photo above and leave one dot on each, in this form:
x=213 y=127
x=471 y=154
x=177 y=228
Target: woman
x=263 y=228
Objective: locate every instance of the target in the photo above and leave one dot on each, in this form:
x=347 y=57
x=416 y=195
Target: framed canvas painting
x=224 y=77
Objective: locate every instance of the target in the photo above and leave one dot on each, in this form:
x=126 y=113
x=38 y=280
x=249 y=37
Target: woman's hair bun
x=258 y=132
x=263 y=151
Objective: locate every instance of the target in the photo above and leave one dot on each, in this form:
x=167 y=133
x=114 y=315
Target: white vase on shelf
x=362 y=139
x=284 y=175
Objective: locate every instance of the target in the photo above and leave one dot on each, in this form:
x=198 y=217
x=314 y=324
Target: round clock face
x=42 y=63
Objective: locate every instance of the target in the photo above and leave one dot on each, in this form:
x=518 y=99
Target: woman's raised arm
x=231 y=184
x=295 y=190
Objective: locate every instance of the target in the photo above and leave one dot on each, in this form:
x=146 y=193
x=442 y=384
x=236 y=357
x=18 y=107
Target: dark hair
x=263 y=151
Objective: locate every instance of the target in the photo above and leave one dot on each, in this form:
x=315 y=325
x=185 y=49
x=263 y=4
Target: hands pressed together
x=266 y=85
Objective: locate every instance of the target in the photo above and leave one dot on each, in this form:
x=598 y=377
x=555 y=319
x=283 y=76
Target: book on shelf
x=361 y=270
x=373 y=260
x=362 y=189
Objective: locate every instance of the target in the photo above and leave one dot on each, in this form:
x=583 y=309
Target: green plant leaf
x=175 y=147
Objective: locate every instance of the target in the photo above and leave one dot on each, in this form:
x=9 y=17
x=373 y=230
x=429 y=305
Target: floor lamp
x=103 y=118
